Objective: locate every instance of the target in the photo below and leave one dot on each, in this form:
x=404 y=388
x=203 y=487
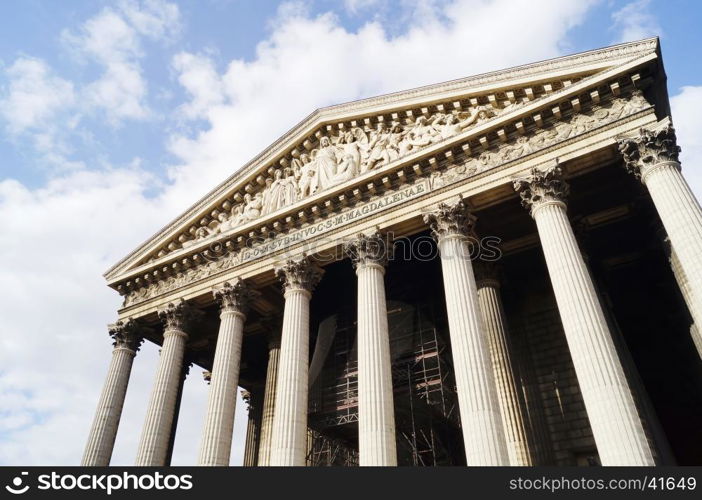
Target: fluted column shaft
x=652 y=156
x=481 y=421
x=376 y=412
x=250 y=446
x=264 y=447
x=684 y=286
x=681 y=216
x=221 y=404
x=510 y=405
x=615 y=423
x=290 y=418
x=103 y=432
x=253 y=428
x=219 y=420
x=155 y=437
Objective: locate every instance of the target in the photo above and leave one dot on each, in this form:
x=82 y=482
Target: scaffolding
x=426 y=419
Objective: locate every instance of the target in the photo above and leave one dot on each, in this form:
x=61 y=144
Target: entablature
x=404 y=124
x=386 y=193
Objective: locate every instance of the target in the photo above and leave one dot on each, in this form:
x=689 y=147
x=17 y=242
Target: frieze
x=447 y=89
x=576 y=125
x=218 y=262
x=344 y=155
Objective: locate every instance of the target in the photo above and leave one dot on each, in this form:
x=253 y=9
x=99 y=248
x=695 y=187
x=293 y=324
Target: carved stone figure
x=422 y=131
x=253 y=205
x=281 y=192
x=451 y=126
x=350 y=163
x=306 y=175
x=378 y=147
x=325 y=160
x=520 y=148
x=340 y=158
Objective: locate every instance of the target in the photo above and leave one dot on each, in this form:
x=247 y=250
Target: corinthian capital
x=175 y=315
x=365 y=250
x=650 y=148
x=126 y=334
x=540 y=188
x=450 y=219
x=300 y=274
x=235 y=296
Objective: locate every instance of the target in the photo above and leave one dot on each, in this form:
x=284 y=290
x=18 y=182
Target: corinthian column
x=500 y=350
x=483 y=434
x=376 y=414
x=253 y=428
x=155 y=437
x=290 y=419
x=653 y=158
x=101 y=441
x=264 y=447
x=615 y=423
x=219 y=420
x=684 y=286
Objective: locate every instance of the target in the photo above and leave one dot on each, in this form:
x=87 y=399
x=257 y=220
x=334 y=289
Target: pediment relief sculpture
x=280 y=189
x=340 y=151
x=342 y=154
x=340 y=157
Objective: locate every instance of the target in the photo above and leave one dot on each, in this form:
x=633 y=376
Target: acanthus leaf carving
x=450 y=219
x=126 y=334
x=175 y=316
x=371 y=249
x=300 y=274
x=235 y=296
x=650 y=148
x=542 y=187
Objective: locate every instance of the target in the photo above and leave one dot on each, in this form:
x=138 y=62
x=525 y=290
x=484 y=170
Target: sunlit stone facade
x=461 y=274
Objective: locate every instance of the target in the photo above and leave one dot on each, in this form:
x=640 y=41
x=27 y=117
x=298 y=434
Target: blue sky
x=116 y=116
x=225 y=30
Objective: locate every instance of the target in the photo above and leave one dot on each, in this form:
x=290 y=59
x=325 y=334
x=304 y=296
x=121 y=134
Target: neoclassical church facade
x=500 y=270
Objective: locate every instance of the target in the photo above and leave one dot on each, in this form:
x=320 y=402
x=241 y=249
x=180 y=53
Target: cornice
x=605 y=58
x=538 y=142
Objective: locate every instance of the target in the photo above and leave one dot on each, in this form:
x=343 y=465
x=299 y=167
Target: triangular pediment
x=335 y=145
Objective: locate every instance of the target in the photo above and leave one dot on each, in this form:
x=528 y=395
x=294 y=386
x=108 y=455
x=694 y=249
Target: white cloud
x=57 y=240
x=199 y=77
x=155 y=19
x=34 y=96
x=635 y=21
x=54 y=351
x=354 y=6
x=686 y=108
x=113 y=40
